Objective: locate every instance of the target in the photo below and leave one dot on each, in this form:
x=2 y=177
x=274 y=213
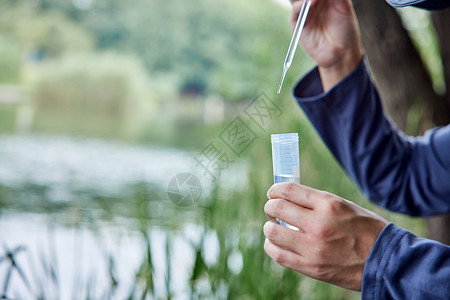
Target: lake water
x=82 y=216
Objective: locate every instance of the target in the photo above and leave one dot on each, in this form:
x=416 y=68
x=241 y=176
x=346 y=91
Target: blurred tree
x=52 y=34
x=10 y=61
x=221 y=46
x=404 y=81
x=42 y=33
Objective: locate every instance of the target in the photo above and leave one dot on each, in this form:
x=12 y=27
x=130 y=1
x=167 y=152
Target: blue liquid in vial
x=285 y=178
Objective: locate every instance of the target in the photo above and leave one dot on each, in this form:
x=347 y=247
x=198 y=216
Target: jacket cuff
x=379 y=260
x=310 y=88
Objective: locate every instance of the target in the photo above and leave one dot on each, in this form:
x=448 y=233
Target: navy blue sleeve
x=400 y=173
x=403 y=266
x=426 y=4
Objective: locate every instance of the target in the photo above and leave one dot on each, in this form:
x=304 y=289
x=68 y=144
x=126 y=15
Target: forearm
x=396 y=172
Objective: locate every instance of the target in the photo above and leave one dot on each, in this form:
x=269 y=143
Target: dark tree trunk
x=402 y=78
x=396 y=65
x=441 y=21
x=439 y=227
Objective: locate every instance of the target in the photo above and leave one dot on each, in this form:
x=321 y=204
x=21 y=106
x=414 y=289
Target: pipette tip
x=282 y=79
x=295 y=38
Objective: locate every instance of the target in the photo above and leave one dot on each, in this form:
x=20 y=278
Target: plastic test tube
x=286 y=161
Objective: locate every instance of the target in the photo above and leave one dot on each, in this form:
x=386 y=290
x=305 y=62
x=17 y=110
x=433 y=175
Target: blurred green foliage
x=224 y=47
x=91 y=94
x=42 y=33
x=10 y=61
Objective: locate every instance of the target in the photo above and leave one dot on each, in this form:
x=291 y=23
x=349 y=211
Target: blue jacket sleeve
x=403 y=266
x=403 y=174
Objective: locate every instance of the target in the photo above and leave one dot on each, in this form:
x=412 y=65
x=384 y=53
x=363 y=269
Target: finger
x=289 y=212
x=295 y=11
x=282 y=256
x=296 y=193
x=297 y=1
x=284 y=237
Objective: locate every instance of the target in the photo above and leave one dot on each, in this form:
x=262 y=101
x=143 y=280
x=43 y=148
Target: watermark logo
x=184 y=189
x=262 y=110
x=217 y=156
x=213 y=160
x=238 y=136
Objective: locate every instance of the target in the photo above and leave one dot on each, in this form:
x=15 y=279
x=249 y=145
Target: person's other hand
x=331 y=37
x=336 y=235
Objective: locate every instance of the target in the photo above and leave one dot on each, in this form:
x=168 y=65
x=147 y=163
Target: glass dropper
x=295 y=38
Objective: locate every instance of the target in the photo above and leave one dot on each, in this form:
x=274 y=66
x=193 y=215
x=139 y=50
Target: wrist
x=331 y=75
